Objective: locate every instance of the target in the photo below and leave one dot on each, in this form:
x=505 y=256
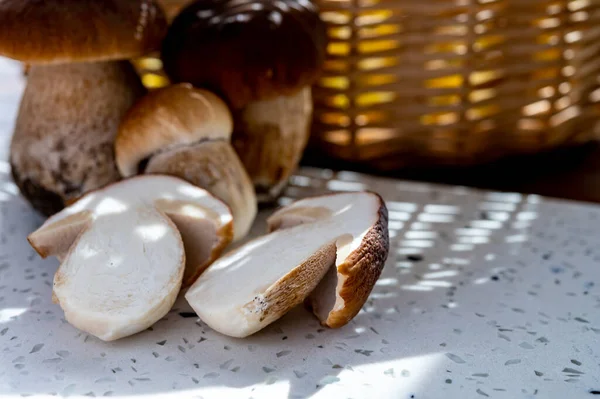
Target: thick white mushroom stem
x=345 y=235
x=62 y=145
x=214 y=166
x=123 y=255
x=270 y=138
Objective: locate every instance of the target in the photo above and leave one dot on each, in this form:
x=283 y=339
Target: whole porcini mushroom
x=262 y=56
x=186 y=132
x=124 y=249
x=78 y=88
x=327 y=250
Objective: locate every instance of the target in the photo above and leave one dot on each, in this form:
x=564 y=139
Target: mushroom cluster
x=241 y=96
x=146 y=190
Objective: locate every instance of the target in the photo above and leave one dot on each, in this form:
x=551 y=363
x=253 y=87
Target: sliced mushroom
x=79 y=86
x=262 y=56
x=332 y=248
x=126 y=248
x=186 y=132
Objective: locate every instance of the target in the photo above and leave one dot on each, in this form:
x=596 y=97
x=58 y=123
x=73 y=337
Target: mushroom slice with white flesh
x=186 y=132
x=123 y=251
x=256 y=284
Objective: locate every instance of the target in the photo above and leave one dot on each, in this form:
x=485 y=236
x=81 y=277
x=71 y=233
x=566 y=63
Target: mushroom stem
x=62 y=145
x=270 y=138
x=215 y=167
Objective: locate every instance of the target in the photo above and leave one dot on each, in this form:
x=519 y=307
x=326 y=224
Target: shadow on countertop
x=569 y=173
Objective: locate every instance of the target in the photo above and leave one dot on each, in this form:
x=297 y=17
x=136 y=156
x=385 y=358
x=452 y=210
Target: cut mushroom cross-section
x=125 y=249
x=330 y=250
x=186 y=132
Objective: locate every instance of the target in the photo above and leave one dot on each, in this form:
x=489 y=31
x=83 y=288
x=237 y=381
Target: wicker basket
x=413 y=82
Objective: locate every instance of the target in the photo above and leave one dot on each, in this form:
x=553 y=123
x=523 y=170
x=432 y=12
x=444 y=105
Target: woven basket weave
x=441 y=81
x=421 y=82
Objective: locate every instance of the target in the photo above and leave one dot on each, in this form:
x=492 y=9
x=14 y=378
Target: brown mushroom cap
x=170 y=117
x=246 y=51
x=63 y=31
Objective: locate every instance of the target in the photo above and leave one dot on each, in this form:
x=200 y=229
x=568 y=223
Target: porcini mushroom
x=78 y=89
x=330 y=249
x=262 y=56
x=186 y=132
x=124 y=248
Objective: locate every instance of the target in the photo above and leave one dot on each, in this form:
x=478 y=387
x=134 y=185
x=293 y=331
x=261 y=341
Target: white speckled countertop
x=484 y=295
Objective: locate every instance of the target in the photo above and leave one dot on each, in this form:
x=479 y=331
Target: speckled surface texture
x=484 y=295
